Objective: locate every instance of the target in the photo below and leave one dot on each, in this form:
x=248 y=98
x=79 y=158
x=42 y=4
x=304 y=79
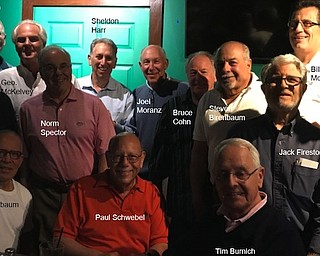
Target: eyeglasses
x=51 y=68
x=241 y=176
x=131 y=158
x=289 y=80
x=15 y=155
x=32 y=39
x=292 y=24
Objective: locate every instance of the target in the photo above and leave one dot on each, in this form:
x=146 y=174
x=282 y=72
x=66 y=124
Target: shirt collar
x=233 y=224
x=253 y=79
x=27 y=76
x=111 y=86
x=72 y=96
x=167 y=78
x=103 y=180
x=289 y=127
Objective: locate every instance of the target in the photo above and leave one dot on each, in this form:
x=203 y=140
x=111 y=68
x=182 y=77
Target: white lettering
x=242 y=251
x=308 y=152
x=148 y=110
x=102 y=217
x=286 y=152
x=133 y=217
x=176 y=112
x=226 y=118
x=47 y=133
x=144 y=101
x=49 y=123
x=218 y=108
x=177 y=121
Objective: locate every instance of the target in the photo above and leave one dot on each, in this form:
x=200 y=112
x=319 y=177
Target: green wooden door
x=73 y=28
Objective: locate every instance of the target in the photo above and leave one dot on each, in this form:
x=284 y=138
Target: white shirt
x=14 y=206
x=14 y=84
x=215 y=117
x=310 y=104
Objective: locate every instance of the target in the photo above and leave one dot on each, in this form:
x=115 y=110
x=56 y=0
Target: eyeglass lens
x=13 y=154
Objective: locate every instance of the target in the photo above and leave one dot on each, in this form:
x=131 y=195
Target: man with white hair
x=244 y=223
x=24 y=81
x=289 y=148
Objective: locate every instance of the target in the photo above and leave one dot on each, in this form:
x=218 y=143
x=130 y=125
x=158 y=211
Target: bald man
x=151 y=96
x=122 y=212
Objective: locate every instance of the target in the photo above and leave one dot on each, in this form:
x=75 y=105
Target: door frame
x=156 y=11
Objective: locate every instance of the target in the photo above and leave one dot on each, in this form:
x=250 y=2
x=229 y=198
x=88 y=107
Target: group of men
x=66 y=134
x=288 y=146
x=87 y=160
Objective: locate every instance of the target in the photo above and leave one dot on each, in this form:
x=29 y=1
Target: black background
x=260 y=24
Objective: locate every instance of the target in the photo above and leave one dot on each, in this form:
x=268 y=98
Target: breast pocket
x=304 y=180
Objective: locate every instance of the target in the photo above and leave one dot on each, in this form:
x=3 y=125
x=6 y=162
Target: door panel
x=73 y=28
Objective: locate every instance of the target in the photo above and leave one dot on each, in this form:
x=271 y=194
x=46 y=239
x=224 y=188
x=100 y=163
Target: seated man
x=15 y=199
x=244 y=223
x=116 y=212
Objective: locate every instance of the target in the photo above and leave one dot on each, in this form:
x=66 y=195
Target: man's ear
x=166 y=65
x=263 y=88
x=249 y=64
x=89 y=59
x=304 y=88
x=261 y=172
x=115 y=63
x=143 y=156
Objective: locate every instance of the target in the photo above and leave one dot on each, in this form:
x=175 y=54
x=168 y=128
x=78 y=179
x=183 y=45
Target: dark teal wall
x=174 y=37
x=10 y=15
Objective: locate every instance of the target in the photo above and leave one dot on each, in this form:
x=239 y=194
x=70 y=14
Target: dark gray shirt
x=291 y=159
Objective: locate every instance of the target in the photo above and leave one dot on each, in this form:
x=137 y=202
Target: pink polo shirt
x=61 y=139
